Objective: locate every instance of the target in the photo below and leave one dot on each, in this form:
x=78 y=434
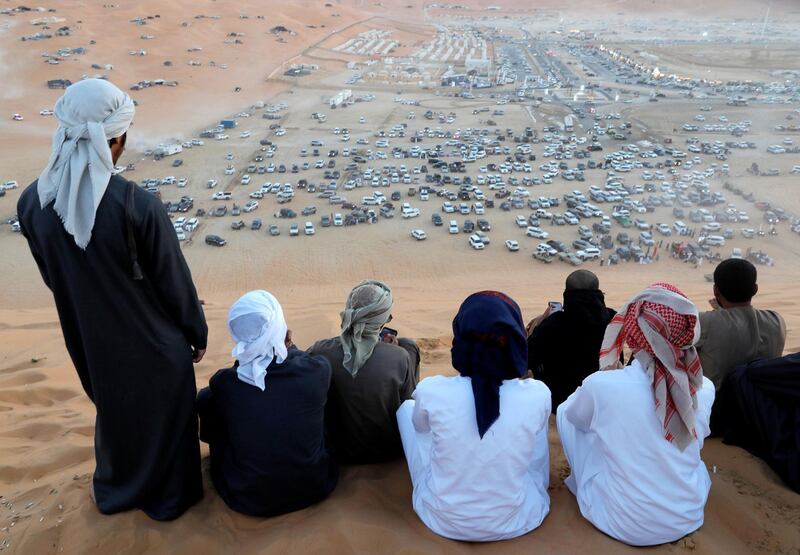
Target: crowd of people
x=281 y=420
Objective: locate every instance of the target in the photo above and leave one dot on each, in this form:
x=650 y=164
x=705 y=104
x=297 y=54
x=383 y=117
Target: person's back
x=563 y=349
x=128 y=309
x=360 y=413
x=489 y=488
x=268 y=452
x=632 y=436
x=738 y=335
x=634 y=485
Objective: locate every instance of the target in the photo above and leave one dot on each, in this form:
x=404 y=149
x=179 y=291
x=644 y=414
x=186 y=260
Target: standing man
x=128 y=309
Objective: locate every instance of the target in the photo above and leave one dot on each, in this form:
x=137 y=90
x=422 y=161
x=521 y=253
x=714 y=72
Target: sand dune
x=47 y=423
x=46 y=426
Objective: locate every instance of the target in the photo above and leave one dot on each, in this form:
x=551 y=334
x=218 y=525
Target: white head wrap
x=90 y=113
x=256 y=324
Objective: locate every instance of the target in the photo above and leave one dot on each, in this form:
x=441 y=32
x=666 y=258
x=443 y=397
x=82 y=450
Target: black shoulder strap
x=132 y=251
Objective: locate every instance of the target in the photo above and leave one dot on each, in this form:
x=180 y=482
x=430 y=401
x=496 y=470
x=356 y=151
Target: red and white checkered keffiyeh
x=661 y=326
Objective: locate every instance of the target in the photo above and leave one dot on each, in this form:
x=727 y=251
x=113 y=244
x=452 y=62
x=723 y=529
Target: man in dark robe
x=264 y=418
x=564 y=346
x=128 y=309
x=758 y=409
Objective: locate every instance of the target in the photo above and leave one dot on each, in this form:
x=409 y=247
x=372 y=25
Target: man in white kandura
x=633 y=435
x=476 y=444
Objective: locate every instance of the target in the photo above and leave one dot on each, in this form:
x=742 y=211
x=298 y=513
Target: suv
x=476 y=243
x=215 y=240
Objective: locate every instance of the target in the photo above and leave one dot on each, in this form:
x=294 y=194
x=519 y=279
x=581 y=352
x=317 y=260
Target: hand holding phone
x=389 y=335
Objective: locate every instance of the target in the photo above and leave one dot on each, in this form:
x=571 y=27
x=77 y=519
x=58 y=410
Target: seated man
x=371 y=377
x=563 y=347
x=736 y=333
x=264 y=417
x=758 y=409
x=633 y=436
x=476 y=444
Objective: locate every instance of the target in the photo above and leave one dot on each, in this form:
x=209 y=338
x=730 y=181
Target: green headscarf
x=368 y=308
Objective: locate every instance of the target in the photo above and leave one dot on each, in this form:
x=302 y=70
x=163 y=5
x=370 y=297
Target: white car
x=183 y=182
x=546 y=249
x=230 y=170
x=410 y=213
x=211 y=183
x=46 y=113
x=10 y=185
x=221 y=195
x=512 y=245
x=309 y=229
x=418 y=234
x=476 y=243
x=714 y=240
x=245 y=179
x=589 y=253
x=17 y=117
x=453 y=227
x=448 y=208
x=244 y=134
x=748 y=232
x=250 y=206
x=191 y=224
x=521 y=221
x=537 y=233
x=338 y=221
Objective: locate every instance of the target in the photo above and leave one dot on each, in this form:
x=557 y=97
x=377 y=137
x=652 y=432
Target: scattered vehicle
x=453 y=227
x=512 y=245
x=215 y=240
x=476 y=243
x=418 y=234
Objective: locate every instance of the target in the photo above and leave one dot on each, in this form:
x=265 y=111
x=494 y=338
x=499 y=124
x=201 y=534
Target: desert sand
x=46 y=421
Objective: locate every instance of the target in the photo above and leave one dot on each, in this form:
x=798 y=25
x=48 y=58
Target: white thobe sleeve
x=705 y=399
x=420 y=415
x=580 y=409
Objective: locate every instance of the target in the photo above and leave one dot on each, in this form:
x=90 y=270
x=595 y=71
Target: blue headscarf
x=489 y=346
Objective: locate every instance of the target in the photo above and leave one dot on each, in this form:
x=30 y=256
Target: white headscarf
x=256 y=324
x=90 y=113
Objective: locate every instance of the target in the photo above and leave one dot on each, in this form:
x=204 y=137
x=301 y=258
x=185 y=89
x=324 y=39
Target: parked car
x=512 y=245
x=215 y=240
x=476 y=243
x=418 y=234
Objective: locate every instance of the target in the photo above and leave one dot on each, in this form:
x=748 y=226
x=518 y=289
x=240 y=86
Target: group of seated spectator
x=280 y=421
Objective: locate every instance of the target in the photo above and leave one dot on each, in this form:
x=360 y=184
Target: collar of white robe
x=258 y=328
x=90 y=113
